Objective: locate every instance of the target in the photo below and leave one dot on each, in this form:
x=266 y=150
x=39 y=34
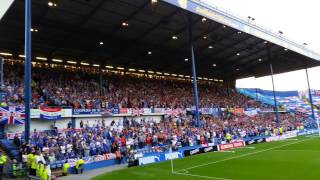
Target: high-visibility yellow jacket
x=29 y=159
x=3 y=159
x=40 y=170
x=228 y=136
x=79 y=163
x=34 y=162
x=281 y=130
x=14 y=170
x=66 y=167
x=45 y=174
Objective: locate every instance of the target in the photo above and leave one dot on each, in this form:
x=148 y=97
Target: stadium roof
x=151 y=35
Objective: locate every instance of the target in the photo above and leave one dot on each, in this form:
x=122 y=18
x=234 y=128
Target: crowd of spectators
x=77 y=88
x=81 y=89
x=129 y=134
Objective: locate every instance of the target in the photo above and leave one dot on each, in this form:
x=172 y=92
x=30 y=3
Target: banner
x=215 y=112
x=238 y=111
x=137 y=112
x=205 y=110
x=236 y=144
x=86 y=111
x=50 y=113
x=255 y=141
x=159 y=110
x=147 y=111
x=107 y=112
x=124 y=111
x=158 y=157
x=286 y=135
x=174 y=112
x=251 y=113
x=116 y=110
x=12 y=115
x=92 y=159
x=200 y=150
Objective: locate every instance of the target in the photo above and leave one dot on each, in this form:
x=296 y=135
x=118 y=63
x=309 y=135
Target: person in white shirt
x=69 y=148
x=63 y=149
x=24 y=158
x=40 y=158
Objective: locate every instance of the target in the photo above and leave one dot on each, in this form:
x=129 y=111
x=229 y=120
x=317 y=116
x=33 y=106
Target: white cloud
x=297 y=19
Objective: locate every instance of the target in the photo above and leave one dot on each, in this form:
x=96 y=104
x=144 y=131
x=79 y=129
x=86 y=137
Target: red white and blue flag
x=12 y=115
x=137 y=112
x=51 y=113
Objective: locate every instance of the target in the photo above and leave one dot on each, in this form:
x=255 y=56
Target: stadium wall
x=41 y=125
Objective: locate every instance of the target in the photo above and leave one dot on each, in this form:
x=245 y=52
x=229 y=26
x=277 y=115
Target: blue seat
x=59 y=164
x=53 y=166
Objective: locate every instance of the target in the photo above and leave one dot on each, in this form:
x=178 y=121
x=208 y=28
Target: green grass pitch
x=292 y=159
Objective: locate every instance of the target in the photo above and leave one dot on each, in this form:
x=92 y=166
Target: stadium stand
x=79 y=86
x=292 y=101
x=79 y=89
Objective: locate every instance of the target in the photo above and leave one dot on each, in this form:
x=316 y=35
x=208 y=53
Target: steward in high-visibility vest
x=66 y=168
x=33 y=170
x=228 y=137
x=3 y=160
x=14 y=168
x=79 y=164
x=40 y=169
x=29 y=162
x=281 y=130
x=37 y=168
x=46 y=175
x=29 y=159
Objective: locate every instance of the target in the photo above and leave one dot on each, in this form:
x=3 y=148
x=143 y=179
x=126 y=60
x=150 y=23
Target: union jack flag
x=12 y=115
x=173 y=112
x=137 y=112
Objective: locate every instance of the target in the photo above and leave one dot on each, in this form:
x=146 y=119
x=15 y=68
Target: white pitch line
x=185 y=171
x=244 y=155
x=204 y=177
x=224 y=151
x=246 y=147
x=312 y=136
x=297 y=150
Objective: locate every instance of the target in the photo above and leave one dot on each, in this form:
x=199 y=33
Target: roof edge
x=220 y=16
